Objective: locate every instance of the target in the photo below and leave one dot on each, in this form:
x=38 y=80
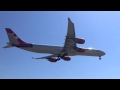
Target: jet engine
x=80 y=49
x=52 y=60
x=80 y=40
x=66 y=58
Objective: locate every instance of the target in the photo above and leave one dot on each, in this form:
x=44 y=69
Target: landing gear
x=61 y=56
x=65 y=54
x=58 y=58
x=99 y=57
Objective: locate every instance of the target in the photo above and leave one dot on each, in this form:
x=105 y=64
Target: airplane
x=57 y=52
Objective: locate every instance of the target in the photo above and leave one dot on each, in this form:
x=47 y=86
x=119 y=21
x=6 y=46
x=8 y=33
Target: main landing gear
x=65 y=54
x=62 y=56
x=99 y=57
x=58 y=59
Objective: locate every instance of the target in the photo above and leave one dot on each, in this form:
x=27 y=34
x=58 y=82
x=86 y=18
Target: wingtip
x=68 y=18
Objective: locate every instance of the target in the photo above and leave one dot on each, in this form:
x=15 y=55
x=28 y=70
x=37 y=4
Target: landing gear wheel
x=58 y=58
x=99 y=58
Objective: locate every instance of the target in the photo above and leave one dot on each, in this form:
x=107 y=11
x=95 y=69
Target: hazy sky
x=101 y=30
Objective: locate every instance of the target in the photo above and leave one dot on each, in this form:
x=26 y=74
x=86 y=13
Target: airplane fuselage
x=49 y=49
x=61 y=52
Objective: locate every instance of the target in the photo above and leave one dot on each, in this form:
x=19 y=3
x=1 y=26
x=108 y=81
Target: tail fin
x=13 y=38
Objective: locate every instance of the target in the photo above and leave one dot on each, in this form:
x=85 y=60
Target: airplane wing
x=69 y=41
x=70 y=37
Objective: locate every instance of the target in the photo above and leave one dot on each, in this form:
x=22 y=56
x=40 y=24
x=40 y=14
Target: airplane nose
x=103 y=53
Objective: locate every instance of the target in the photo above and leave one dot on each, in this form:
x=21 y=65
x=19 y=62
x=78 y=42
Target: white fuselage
x=48 y=49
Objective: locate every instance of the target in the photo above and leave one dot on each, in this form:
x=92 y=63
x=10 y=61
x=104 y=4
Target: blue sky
x=101 y=30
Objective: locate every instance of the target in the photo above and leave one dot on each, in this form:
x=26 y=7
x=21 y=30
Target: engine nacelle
x=80 y=40
x=80 y=49
x=52 y=60
x=66 y=58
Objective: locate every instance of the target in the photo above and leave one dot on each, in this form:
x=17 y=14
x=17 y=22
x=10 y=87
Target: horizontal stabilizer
x=8 y=46
x=46 y=57
x=37 y=58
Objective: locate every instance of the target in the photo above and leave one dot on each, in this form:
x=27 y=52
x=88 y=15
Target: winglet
x=69 y=20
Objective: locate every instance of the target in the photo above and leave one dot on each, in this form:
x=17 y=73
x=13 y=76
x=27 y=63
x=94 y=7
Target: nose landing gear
x=99 y=57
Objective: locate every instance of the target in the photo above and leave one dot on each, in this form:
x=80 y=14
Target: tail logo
x=15 y=35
